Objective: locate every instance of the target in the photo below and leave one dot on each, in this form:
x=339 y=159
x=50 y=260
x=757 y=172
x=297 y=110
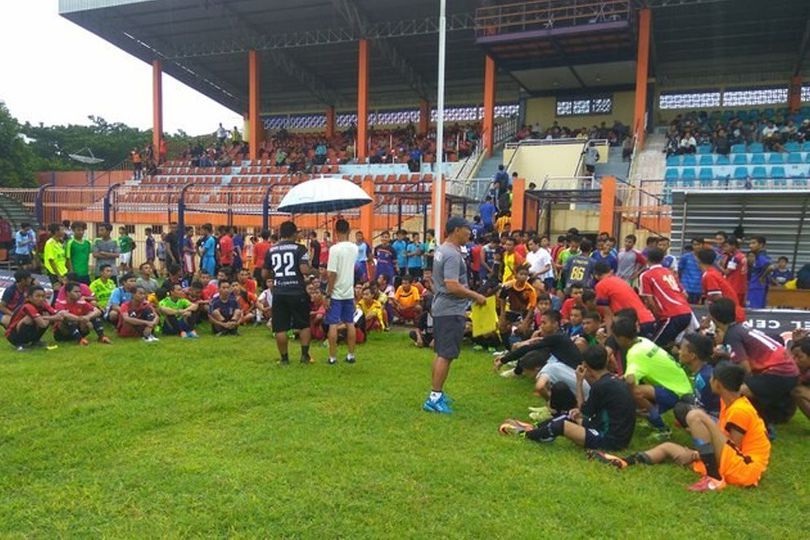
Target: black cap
x=455 y=222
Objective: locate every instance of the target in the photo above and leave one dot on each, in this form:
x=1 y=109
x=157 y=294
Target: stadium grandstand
x=349 y=88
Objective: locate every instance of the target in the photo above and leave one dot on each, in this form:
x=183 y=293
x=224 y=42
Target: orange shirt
x=755 y=443
x=407 y=299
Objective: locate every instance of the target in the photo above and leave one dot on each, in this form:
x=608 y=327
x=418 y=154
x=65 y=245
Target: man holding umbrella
x=449 y=308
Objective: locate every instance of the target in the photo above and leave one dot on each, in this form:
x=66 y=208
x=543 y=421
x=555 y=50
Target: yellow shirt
x=55 y=250
x=502 y=223
x=510 y=262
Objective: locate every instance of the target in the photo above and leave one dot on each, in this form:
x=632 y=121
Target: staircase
x=490 y=165
x=15 y=213
x=650 y=162
x=614 y=166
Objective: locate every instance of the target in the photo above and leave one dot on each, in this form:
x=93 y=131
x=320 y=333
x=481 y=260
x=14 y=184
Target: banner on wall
x=769 y=321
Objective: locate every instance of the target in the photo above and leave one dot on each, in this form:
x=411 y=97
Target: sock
x=332 y=359
x=350 y=355
x=285 y=358
x=708 y=458
x=654 y=418
x=639 y=458
x=304 y=351
x=435 y=396
x=557 y=426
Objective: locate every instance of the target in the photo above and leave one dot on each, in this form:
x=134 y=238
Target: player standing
x=287 y=262
x=660 y=290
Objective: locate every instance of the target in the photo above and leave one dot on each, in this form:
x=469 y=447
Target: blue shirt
x=610 y=258
x=226 y=307
x=780 y=277
x=487 y=212
x=703 y=391
x=24 y=243
x=209 y=246
x=689 y=273
x=414 y=259
x=477 y=230
x=385 y=255
x=400 y=247
x=119 y=296
x=758 y=270
x=362 y=252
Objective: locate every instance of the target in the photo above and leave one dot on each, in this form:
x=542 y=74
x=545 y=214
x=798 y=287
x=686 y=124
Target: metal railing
x=547 y=15
x=516 y=146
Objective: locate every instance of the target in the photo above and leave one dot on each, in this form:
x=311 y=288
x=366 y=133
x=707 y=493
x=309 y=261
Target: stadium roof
x=309 y=49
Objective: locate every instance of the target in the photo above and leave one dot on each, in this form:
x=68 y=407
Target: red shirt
x=565 y=310
x=662 y=285
x=715 y=284
x=30 y=310
x=324 y=253
x=259 y=251
x=520 y=249
x=620 y=295
x=226 y=250
x=737 y=276
x=210 y=290
x=475 y=254
x=79 y=308
x=250 y=286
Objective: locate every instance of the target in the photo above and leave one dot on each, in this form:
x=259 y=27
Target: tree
x=17 y=160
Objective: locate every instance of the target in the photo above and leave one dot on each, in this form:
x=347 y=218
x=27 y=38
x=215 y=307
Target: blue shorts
x=340 y=311
x=665 y=398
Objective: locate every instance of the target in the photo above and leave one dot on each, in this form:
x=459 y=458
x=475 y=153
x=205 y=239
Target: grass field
x=214 y=438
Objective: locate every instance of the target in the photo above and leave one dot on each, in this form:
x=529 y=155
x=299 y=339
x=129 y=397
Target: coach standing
x=449 y=308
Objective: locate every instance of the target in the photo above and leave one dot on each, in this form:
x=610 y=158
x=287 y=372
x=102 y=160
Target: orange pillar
x=642 y=73
x=255 y=126
x=607 y=204
x=367 y=211
x=330 y=122
x=424 y=116
x=488 y=126
x=518 y=204
x=157 y=105
x=795 y=94
x=438 y=198
x=362 y=101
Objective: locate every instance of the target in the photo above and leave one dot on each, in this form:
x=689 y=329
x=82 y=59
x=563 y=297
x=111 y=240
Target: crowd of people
x=607 y=332
x=616 y=135
x=689 y=131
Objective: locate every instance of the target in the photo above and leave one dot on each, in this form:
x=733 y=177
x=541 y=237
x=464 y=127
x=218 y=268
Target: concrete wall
x=544 y=110
x=82 y=178
x=534 y=163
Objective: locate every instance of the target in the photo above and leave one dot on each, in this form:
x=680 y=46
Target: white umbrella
x=327 y=194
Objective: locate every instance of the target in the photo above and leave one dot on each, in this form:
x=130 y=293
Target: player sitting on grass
x=771 y=374
x=138 y=318
x=605 y=420
x=178 y=314
x=695 y=354
x=224 y=312
x=119 y=297
x=591 y=324
x=372 y=310
x=78 y=318
x=735 y=451
x=31 y=320
x=406 y=301
x=656 y=379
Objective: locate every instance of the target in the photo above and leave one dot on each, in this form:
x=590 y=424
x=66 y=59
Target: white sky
x=55 y=72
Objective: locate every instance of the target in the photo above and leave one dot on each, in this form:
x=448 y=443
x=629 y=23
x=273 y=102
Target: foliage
x=212 y=438
x=17 y=160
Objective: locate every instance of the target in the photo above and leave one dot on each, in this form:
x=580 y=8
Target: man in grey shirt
x=105 y=250
x=449 y=308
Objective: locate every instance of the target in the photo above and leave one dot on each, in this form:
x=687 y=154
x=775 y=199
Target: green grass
x=213 y=438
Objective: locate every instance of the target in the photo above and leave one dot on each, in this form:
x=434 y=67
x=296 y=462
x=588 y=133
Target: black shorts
x=448 y=332
x=772 y=396
x=290 y=312
x=26 y=334
x=671 y=328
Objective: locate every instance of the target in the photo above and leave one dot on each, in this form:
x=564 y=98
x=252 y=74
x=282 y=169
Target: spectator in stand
x=591 y=155
x=781 y=274
x=722 y=145
x=137 y=164
x=687 y=144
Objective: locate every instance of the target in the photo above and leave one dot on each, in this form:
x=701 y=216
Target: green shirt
x=55 y=250
x=126 y=244
x=181 y=303
x=650 y=364
x=78 y=251
x=102 y=291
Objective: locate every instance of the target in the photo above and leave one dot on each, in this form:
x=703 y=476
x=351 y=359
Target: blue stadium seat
x=704 y=149
x=800 y=182
x=722 y=160
x=688 y=177
x=776 y=158
x=794 y=157
x=778 y=172
x=806 y=147
x=759 y=174
x=739 y=159
x=756 y=147
x=740 y=173
x=706 y=160
x=792 y=146
x=757 y=159
x=737 y=148
x=689 y=161
x=706 y=177
x=673 y=161
x=769 y=113
x=671 y=176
